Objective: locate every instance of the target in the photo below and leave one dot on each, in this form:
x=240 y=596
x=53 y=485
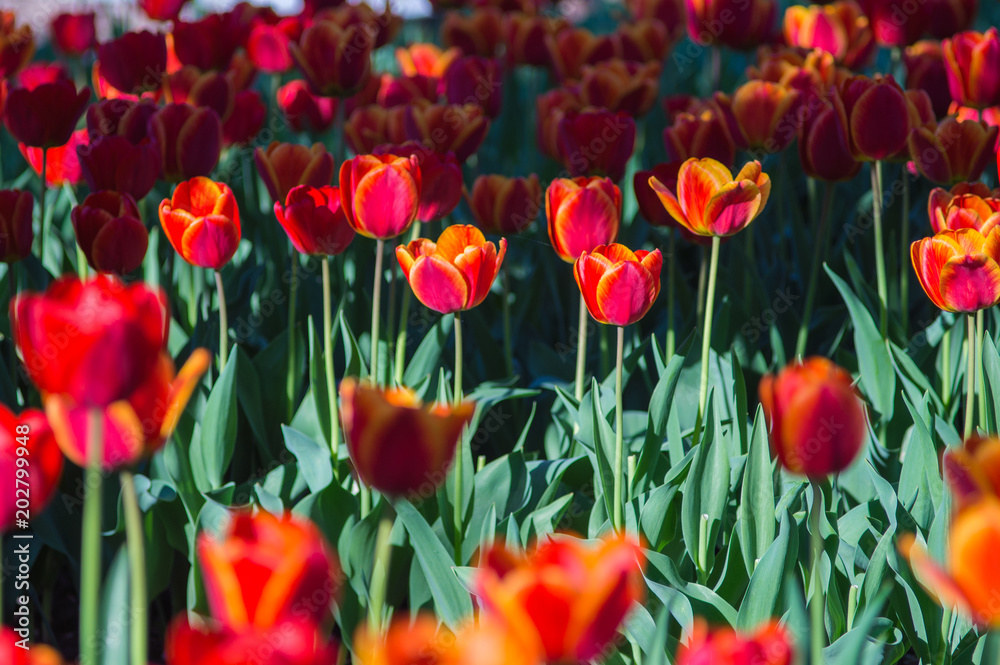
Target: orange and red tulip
x=582 y=213
x=426 y=59
x=46 y=115
x=709 y=201
x=440 y=179
x=290 y=643
x=734 y=23
x=110 y=232
x=202 y=222
x=314 y=221
x=572 y=48
x=336 y=61
x=41 y=472
x=526 y=37
x=304 y=110
x=649 y=201
x=133 y=63
x=809 y=72
x=825 y=141
x=878 y=115
x=596 y=142
x=61 y=163
x=474 y=79
x=965 y=206
x=74 y=34
x=953 y=151
x=840 y=28
x=925 y=70
x=959 y=270
x=371 y=126
x=972 y=60
x=190 y=140
x=456 y=272
x=646 y=40
x=972 y=471
x=770 y=644
x=618 y=285
x=399 y=445
x=816 y=420
x=380 y=194
x=619 y=85
x=447 y=127
x=478 y=33
x=700 y=133
x=283 y=166
x=504 y=205
x=16 y=232
x=761 y=115
x=566 y=598
x=550 y=108
x=17 y=44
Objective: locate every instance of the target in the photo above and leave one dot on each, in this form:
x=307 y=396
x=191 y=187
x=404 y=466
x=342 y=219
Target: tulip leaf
x=114 y=640
x=427 y=357
x=313 y=459
x=764 y=590
x=249 y=397
x=991 y=371
x=604 y=447
x=659 y=411
x=756 y=507
x=355 y=361
x=706 y=488
x=218 y=428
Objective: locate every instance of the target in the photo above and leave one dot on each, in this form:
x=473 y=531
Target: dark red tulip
x=505 y=206
x=17 y=44
x=61 y=162
x=287 y=643
x=440 y=179
x=671 y=13
x=878 y=114
x=739 y=24
x=45 y=116
x=371 y=126
x=825 y=141
x=947 y=17
x=925 y=70
x=162 y=10
x=336 y=61
x=38 y=73
x=550 y=108
x=571 y=49
x=190 y=140
x=478 y=33
x=268 y=45
x=596 y=142
x=526 y=37
x=135 y=62
x=447 y=128
x=619 y=85
x=213 y=90
x=110 y=233
x=314 y=220
x=120 y=117
x=283 y=166
x=114 y=162
x=304 y=110
x=896 y=22
x=403 y=90
x=246 y=120
x=208 y=43
x=74 y=34
x=699 y=133
x=378 y=28
x=953 y=151
x=16 y=233
x=475 y=80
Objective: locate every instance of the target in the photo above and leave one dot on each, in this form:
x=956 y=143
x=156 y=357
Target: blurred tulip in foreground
x=283 y=166
x=972 y=471
x=190 y=140
x=162 y=10
x=619 y=286
x=582 y=213
x=380 y=194
x=475 y=80
x=39 y=469
x=202 y=222
x=965 y=206
x=972 y=60
x=959 y=270
x=314 y=221
x=770 y=644
x=505 y=206
x=16 y=233
x=290 y=643
x=110 y=232
x=62 y=165
x=14 y=652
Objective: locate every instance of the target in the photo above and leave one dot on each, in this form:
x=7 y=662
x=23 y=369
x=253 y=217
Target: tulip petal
x=929 y=257
x=454 y=240
x=439 y=285
x=587 y=218
x=625 y=293
x=970 y=283
x=210 y=242
x=973 y=547
x=932 y=576
x=669 y=201
x=385 y=203
x=698 y=181
x=733 y=208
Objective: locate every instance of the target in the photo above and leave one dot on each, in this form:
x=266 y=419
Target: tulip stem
x=706 y=340
x=970 y=375
x=508 y=348
x=817 y=603
x=822 y=235
x=135 y=536
x=41 y=210
x=380 y=569
x=90 y=545
x=946 y=368
x=581 y=349
x=404 y=319
x=457 y=507
x=331 y=380
x=883 y=298
x=390 y=328
x=223 y=322
x=702 y=277
x=373 y=372
x=905 y=265
x=618 y=522
x=980 y=379
x=292 y=368
x=12 y=294
x=671 y=343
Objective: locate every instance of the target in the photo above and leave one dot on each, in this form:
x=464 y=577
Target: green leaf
x=604 y=448
x=706 y=489
x=764 y=590
x=249 y=396
x=314 y=460
x=659 y=412
x=218 y=429
x=113 y=632
x=355 y=359
x=756 y=509
x=427 y=357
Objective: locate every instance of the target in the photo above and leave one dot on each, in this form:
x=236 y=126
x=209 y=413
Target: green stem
x=390 y=328
x=817 y=603
x=376 y=310
x=970 y=375
x=90 y=545
x=41 y=210
x=404 y=321
x=292 y=369
x=980 y=380
x=699 y=306
x=380 y=569
x=946 y=368
x=883 y=297
x=904 y=257
x=331 y=380
x=223 y=322
x=12 y=294
x=457 y=501
x=365 y=496
x=508 y=347
x=605 y=351
x=581 y=350
x=822 y=239
x=702 y=563
x=671 y=343
x=706 y=340
x=618 y=522
x=139 y=602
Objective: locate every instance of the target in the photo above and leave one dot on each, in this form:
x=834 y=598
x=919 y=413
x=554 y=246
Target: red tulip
x=380 y=194
x=283 y=166
x=109 y=231
x=371 y=126
x=505 y=206
x=740 y=25
x=973 y=66
x=618 y=285
x=190 y=140
x=596 y=142
x=479 y=33
x=839 y=28
x=447 y=128
x=74 y=34
x=13 y=652
x=671 y=13
x=700 y=133
x=426 y=60
x=825 y=141
x=93 y=341
x=202 y=222
x=29 y=459
x=550 y=109
x=268 y=45
x=189 y=85
x=44 y=117
x=475 y=80
x=768 y=645
x=305 y=111
x=290 y=643
x=583 y=213
x=572 y=48
x=246 y=120
x=966 y=206
x=115 y=163
x=378 y=29
x=925 y=71
x=878 y=115
x=618 y=85
x=120 y=117
x=336 y=61
x=953 y=151
x=17 y=44
x=947 y=17
x=208 y=43
x=135 y=62
x=314 y=221
x=16 y=233
x=162 y=10
x=809 y=72
x=761 y=115
x=527 y=35
x=455 y=273
x=896 y=22
x=61 y=163
x=959 y=270
x=440 y=179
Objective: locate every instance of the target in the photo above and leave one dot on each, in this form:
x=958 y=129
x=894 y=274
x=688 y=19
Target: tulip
x=202 y=222
x=246 y=120
x=618 y=285
x=60 y=164
x=135 y=62
x=896 y=23
x=17 y=44
x=213 y=90
x=946 y=17
x=447 y=128
x=972 y=61
x=953 y=151
x=426 y=60
x=283 y=166
x=701 y=133
x=572 y=48
x=877 y=112
x=16 y=233
x=825 y=142
x=566 y=597
x=761 y=115
x=440 y=179
x=44 y=117
x=74 y=34
x=965 y=206
x=371 y=126
x=208 y=43
x=583 y=213
x=925 y=70
x=550 y=108
x=959 y=270
x=13 y=653
x=268 y=45
x=120 y=117
x=314 y=221
x=336 y=61
x=526 y=37
x=304 y=111
x=190 y=140
x=596 y=142
x=404 y=90
x=479 y=33
x=617 y=85
x=379 y=29
x=972 y=471
x=839 y=28
x=380 y=194
x=40 y=471
x=109 y=232
x=649 y=202
x=290 y=643
x=505 y=206
x=400 y=446
x=643 y=41
x=162 y=10
x=811 y=73
x=670 y=13
x=115 y=163
x=475 y=80
x=768 y=645
x=739 y=25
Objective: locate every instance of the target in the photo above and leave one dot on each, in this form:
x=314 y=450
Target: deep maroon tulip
x=246 y=120
x=314 y=220
x=213 y=90
x=896 y=22
x=825 y=141
x=283 y=166
x=120 y=117
x=135 y=62
x=947 y=17
x=925 y=71
x=304 y=110
x=74 y=34
x=16 y=233
x=208 y=43
x=700 y=133
x=740 y=24
x=109 y=232
x=446 y=128
x=878 y=114
x=475 y=80
x=46 y=116
x=596 y=142
x=115 y=163
x=190 y=140
x=336 y=61
x=440 y=179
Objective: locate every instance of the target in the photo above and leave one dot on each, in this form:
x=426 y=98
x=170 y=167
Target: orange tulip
x=710 y=202
x=817 y=422
x=447 y=127
x=283 y=166
x=399 y=445
x=617 y=85
x=202 y=222
x=761 y=115
x=768 y=645
x=973 y=470
x=618 y=285
x=953 y=151
x=455 y=273
x=566 y=597
x=426 y=60
x=583 y=213
x=380 y=194
x=965 y=206
x=959 y=270
x=505 y=205
x=840 y=28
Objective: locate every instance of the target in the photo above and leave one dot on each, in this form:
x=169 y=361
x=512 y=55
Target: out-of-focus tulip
x=114 y=162
x=290 y=643
x=17 y=44
x=314 y=221
x=478 y=33
x=208 y=43
x=74 y=34
x=618 y=285
x=953 y=151
x=134 y=427
x=380 y=194
x=572 y=48
x=825 y=141
x=550 y=108
x=972 y=471
x=305 y=111
x=700 y=133
x=40 y=470
x=162 y=10
x=505 y=206
x=582 y=213
x=617 y=85
x=38 y=73
x=959 y=270
x=671 y=13
x=377 y=28
x=371 y=126
x=971 y=580
x=566 y=597
x=246 y=120
x=283 y=166
x=14 y=654
x=110 y=233
x=400 y=446
x=840 y=28
x=526 y=36
x=16 y=234
x=596 y=142
x=816 y=420
x=202 y=222
x=213 y=90
x=733 y=23
x=965 y=206
x=190 y=140
x=645 y=40
x=456 y=272
x=440 y=179
x=947 y=17
x=925 y=71
x=268 y=45
x=649 y=201
x=61 y=163
x=403 y=90
x=768 y=645
x=336 y=61
x=241 y=71
x=709 y=201
x=121 y=117
x=113 y=335
x=896 y=22
x=134 y=62
x=44 y=117
x=991 y=116
x=761 y=115
x=972 y=61
x=812 y=72
x=263 y=571
x=426 y=59
x=878 y=116
x=447 y=128
x=475 y=80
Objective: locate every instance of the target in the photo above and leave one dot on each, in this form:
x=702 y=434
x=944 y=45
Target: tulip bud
x=208 y=43
x=162 y=10
x=113 y=162
x=505 y=206
x=526 y=36
x=336 y=61
x=896 y=22
x=479 y=33
x=190 y=140
x=617 y=85
x=825 y=141
x=966 y=206
x=371 y=126
x=700 y=133
x=16 y=233
x=246 y=120
x=305 y=111
x=44 y=117
x=761 y=115
x=426 y=60
x=583 y=213
x=110 y=233
x=550 y=108
x=878 y=114
x=74 y=34
x=202 y=222
x=61 y=163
